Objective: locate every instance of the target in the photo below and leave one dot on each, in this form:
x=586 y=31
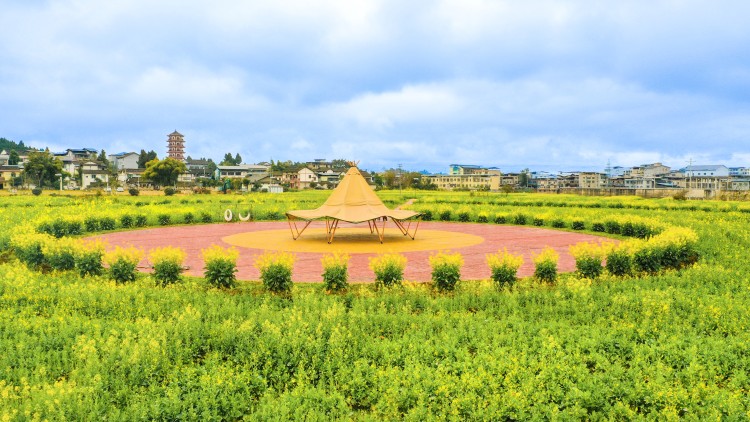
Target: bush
x=164 y=219
x=588 y=258
x=482 y=217
x=612 y=227
x=388 y=269
x=646 y=259
x=558 y=223
x=546 y=265
x=578 y=225
x=141 y=221
x=598 y=227
x=220 y=266
x=134 y=192
x=167 y=263
x=91 y=224
x=36 y=191
x=445 y=215
x=446 y=270
x=464 y=217
x=276 y=271
x=126 y=221
x=60 y=253
x=335 y=277
x=504 y=267
x=88 y=259
x=501 y=219
x=189 y=218
x=107 y=223
x=206 y=218
x=122 y=263
x=619 y=262
x=680 y=196
x=169 y=191
x=520 y=219
x=537 y=221
x=427 y=215
x=28 y=249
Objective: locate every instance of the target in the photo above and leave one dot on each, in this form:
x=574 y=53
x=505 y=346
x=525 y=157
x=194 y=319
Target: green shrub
x=167 y=263
x=464 y=217
x=276 y=271
x=545 y=264
x=504 y=267
x=164 y=219
x=220 y=266
x=169 y=191
x=134 y=192
x=520 y=219
x=598 y=227
x=91 y=224
x=122 y=263
x=126 y=221
x=537 y=221
x=558 y=223
x=446 y=270
x=612 y=227
x=141 y=221
x=60 y=253
x=28 y=249
x=445 y=215
x=107 y=223
x=388 y=269
x=189 y=218
x=335 y=276
x=427 y=215
x=501 y=219
x=578 y=225
x=588 y=258
x=88 y=259
x=206 y=218
x=647 y=259
x=482 y=217
x=36 y=191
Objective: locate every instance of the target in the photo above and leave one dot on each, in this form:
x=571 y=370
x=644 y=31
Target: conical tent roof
x=352 y=201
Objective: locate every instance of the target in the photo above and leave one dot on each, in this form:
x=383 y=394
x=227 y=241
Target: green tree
x=42 y=167
x=164 y=172
x=13 y=158
x=524 y=178
x=237 y=159
x=144 y=157
x=103 y=158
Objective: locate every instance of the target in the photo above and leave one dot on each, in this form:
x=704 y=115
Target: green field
x=670 y=345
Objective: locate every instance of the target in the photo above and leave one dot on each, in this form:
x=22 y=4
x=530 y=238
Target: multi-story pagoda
x=176 y=146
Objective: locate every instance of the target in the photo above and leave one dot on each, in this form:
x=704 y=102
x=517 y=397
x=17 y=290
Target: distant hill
x=8 y=145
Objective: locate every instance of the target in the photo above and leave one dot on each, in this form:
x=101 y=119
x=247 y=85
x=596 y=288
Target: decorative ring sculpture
x=228 y=215
x=239 y=214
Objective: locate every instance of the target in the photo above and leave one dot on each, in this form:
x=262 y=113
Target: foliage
x=36 y=191
x=545 y=265
x=164 y=172
x=276 y=271
x=167 y=263
x=220 y=266
x=335 y=276
x=446 y=270
x=388 y=269
x=88 y=258
x=619 y=260
x=588 y=258
x=122 y=263
x=164 y=219
x=28 y=248
x=134 y=192
x=41 y=167
x=60 y=253
x=504 y=267
x=169 y=191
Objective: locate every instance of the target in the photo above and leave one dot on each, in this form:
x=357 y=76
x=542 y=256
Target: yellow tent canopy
x=353 y=201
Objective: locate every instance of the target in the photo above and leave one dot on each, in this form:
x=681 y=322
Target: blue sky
x=552 y=85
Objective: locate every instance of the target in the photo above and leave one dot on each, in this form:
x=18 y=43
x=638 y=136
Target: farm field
x=675 y=344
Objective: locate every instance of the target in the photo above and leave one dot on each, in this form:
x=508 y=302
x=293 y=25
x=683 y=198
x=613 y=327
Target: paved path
x=517 y=239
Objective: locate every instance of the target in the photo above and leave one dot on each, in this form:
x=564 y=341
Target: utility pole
x=400 y=167
x=690 y=173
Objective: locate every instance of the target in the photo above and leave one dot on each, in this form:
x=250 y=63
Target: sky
x=548 y=85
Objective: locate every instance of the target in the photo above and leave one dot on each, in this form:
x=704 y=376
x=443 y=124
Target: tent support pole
x=405 y=230
x=299 y=232
x=381 y=233
x=332 y=233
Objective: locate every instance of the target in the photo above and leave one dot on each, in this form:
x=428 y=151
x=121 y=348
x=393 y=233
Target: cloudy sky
x=558 y=85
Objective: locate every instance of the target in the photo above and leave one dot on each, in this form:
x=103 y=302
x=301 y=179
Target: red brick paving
x=518 y=239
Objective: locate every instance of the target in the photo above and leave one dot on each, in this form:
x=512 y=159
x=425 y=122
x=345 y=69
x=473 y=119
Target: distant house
x=91 y=173
x=8 y=173
x=305 y=178
x=124 y=160
x=707 y=171
x=241 y=171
